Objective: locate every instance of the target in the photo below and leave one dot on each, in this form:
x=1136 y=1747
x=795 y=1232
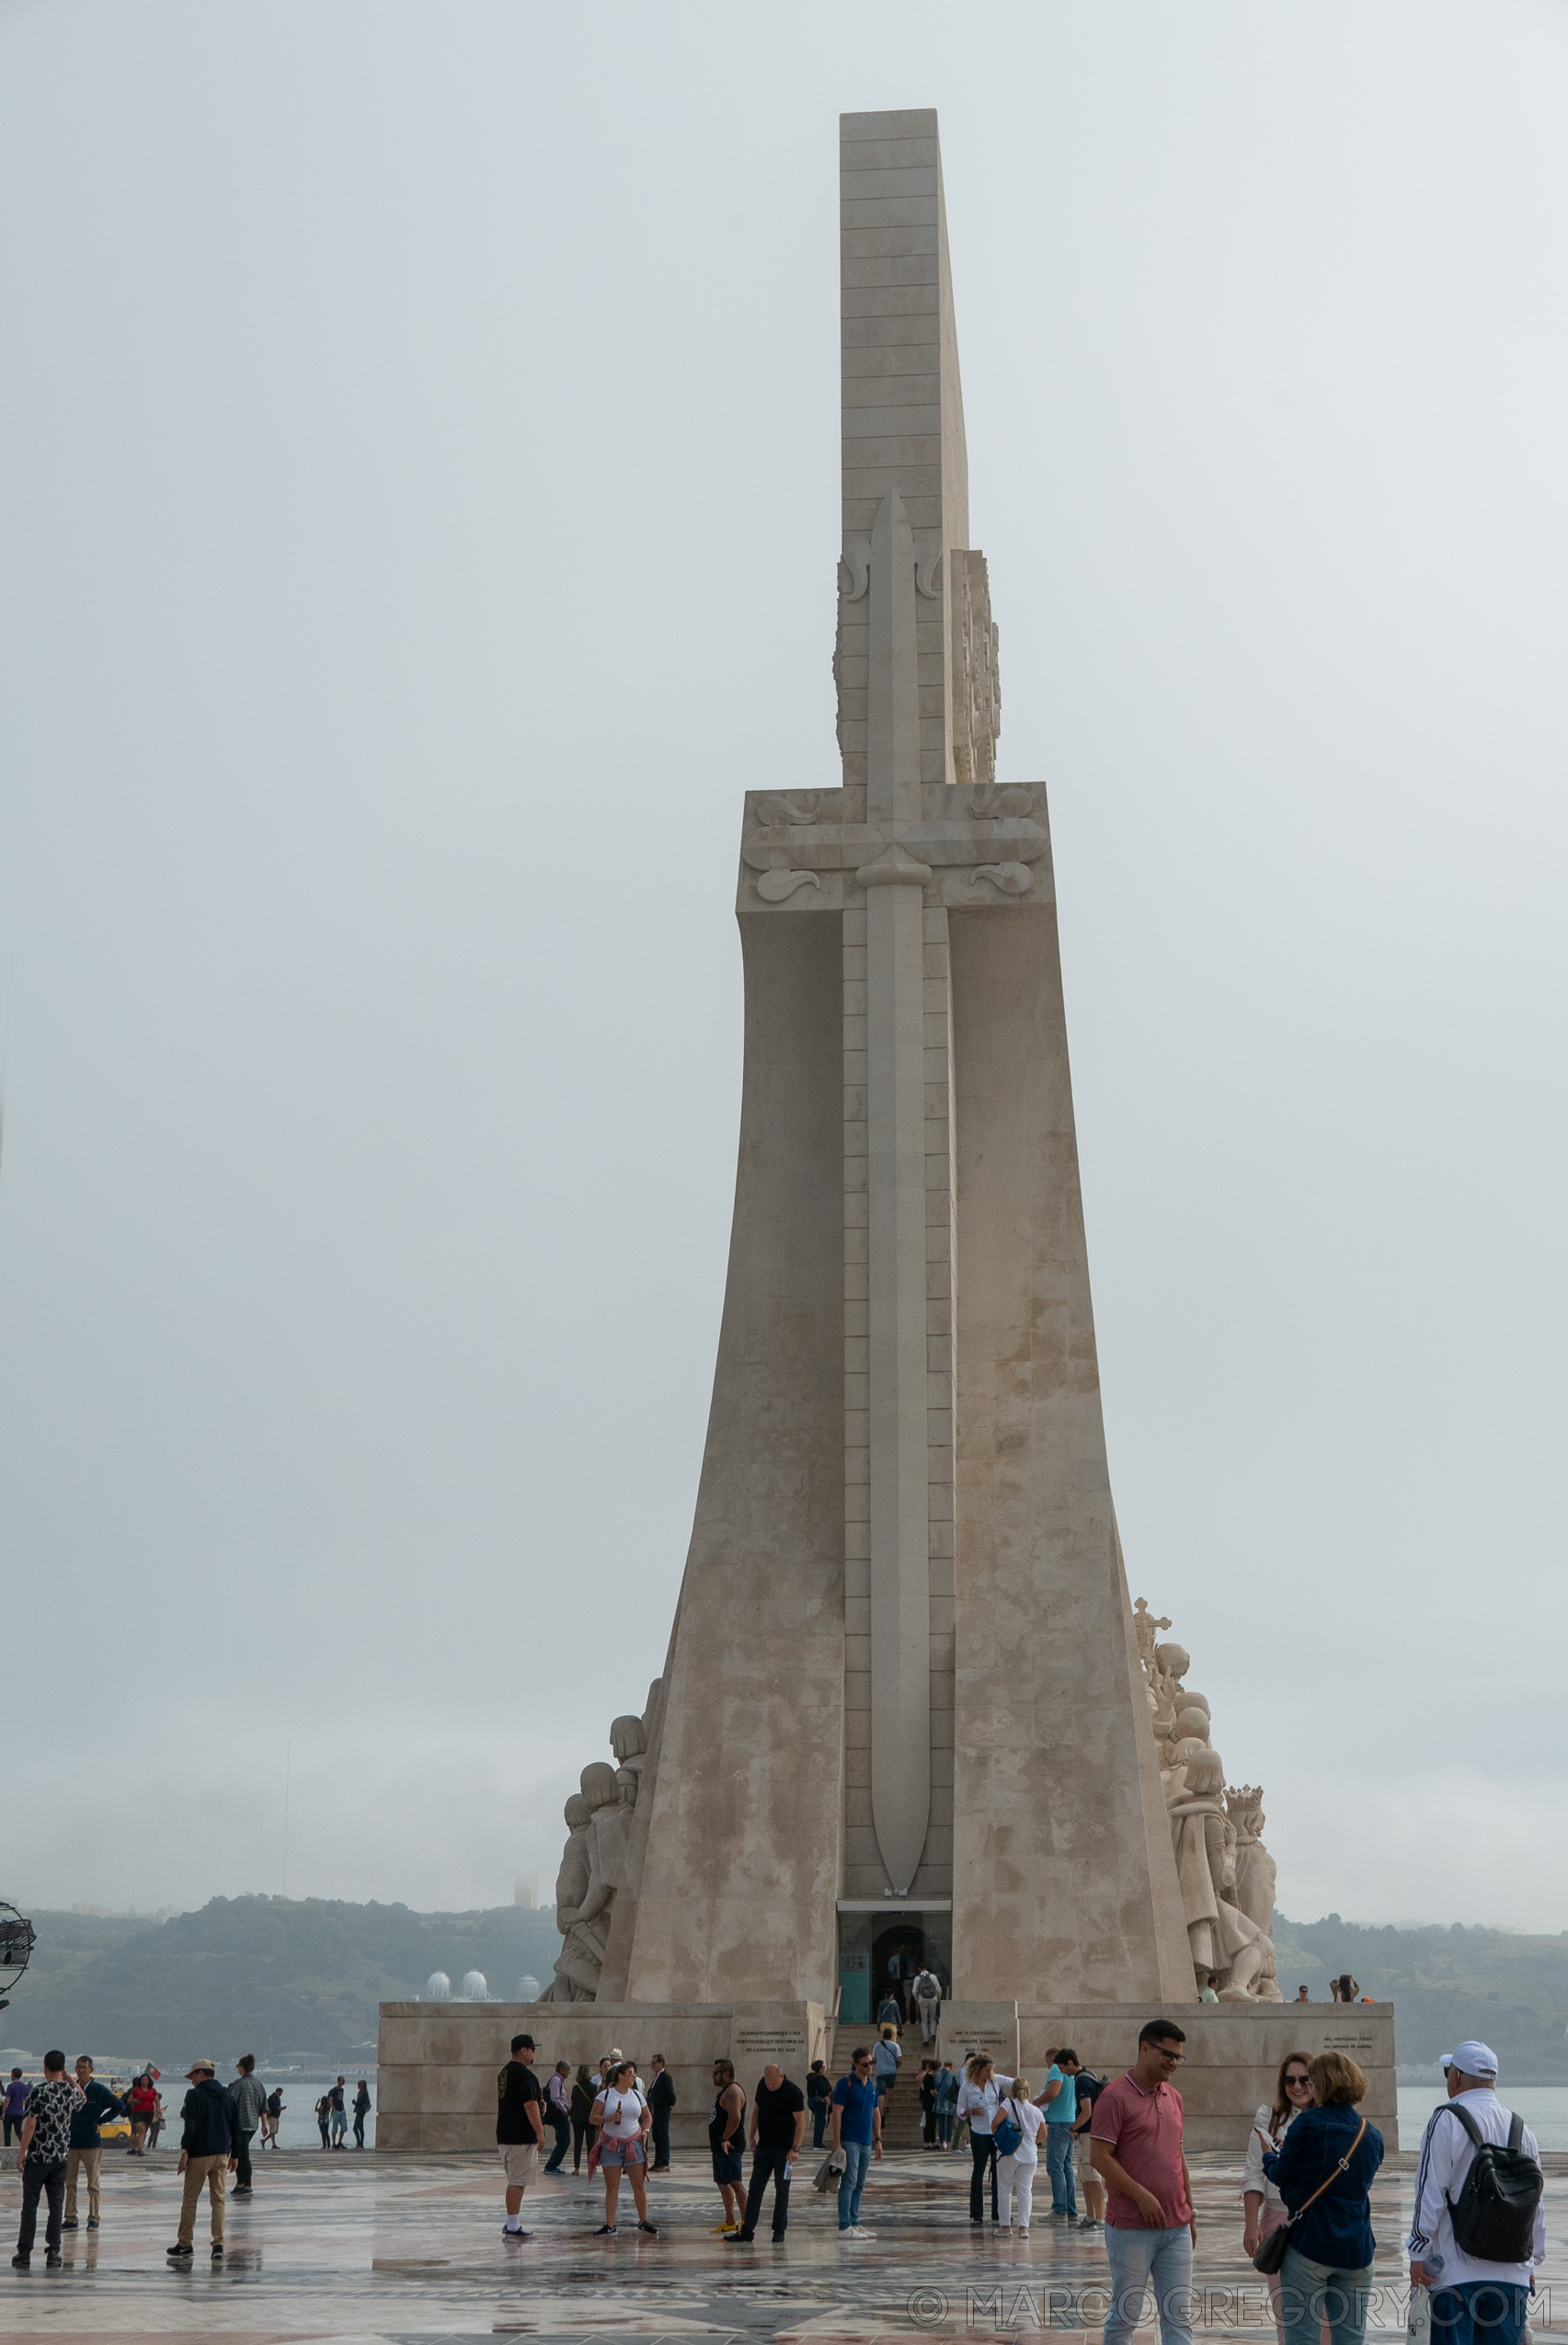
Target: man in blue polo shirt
x=857 y=2131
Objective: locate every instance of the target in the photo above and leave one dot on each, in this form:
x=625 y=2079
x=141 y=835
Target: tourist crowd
x=58 y=2122
x=1476 y=2236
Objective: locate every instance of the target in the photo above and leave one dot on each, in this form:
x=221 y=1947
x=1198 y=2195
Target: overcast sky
x=419 y=429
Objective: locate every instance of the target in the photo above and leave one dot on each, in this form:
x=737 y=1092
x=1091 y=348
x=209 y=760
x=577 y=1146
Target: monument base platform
x=437 y=2061
x=436 y=2080
x=1233 y=2050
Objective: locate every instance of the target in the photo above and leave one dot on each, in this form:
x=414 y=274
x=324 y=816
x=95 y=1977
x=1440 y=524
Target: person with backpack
x=1324 y=2170
x=928 y=2002
x=1478 y=2230
x=1015 y=2131
x=885 y=2054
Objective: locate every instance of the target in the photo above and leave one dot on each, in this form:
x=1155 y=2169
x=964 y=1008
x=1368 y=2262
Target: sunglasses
x=1290 y=2082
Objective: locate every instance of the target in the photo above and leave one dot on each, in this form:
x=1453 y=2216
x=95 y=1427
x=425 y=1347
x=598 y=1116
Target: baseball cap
x=1472 y=2058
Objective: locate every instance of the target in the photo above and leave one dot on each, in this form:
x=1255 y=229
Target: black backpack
x=1495 y=2213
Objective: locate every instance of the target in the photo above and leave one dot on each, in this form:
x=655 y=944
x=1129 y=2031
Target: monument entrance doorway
x=896 y=1947
x=870 y=1937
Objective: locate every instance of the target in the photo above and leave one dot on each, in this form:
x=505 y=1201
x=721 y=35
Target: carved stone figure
x=628 y=1740
x=598 y=1858
x=1255 y=1869
x=1226 y=1874
x=582 y=1949
x=1144 y=1627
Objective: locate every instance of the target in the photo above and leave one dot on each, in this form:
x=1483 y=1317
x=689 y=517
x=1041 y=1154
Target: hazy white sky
x=418 y=453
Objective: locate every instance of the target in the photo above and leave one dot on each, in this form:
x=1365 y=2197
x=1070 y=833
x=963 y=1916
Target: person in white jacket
x=1265 y=2207
x=1472 y=2301
x=1015 y=2172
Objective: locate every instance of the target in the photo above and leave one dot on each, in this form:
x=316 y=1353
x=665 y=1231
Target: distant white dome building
x=528 y=1988
x=438 y=1987
x=473 y=1988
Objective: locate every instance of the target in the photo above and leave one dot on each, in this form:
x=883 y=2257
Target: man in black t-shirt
x=778 y=2127
x=520 y=2128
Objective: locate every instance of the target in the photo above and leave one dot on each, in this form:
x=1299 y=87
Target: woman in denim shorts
x=624 y=2121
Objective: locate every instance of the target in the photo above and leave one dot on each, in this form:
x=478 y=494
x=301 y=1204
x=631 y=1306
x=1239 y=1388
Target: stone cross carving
x=916 y=847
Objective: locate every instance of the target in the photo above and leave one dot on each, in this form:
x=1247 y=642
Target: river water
x=1544 y=2109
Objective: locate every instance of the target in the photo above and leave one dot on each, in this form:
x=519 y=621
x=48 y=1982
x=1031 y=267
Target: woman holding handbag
x=1265 y=2207
x=1015 y=2131
x=1324 y=2170
x=978 y=2097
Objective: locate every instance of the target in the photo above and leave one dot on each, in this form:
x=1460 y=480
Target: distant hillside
x=281 y=1979
x=1510 y=1991
x=256 y=1974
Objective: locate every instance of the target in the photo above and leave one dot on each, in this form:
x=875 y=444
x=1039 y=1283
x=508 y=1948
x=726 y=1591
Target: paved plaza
x=369 y=2248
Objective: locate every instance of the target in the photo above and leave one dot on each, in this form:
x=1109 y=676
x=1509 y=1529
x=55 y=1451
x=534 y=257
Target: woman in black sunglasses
x=1264 y=2208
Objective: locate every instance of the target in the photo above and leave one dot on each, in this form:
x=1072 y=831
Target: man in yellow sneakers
x=725 y=2123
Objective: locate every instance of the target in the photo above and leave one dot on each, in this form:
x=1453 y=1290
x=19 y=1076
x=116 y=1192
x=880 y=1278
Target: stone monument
x=904 y=1670
x=907 y=1706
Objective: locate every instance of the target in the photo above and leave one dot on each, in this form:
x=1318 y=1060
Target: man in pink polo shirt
x=1135 y=2146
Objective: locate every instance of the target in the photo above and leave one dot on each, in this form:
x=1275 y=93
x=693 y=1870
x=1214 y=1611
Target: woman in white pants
x=1015 y=2173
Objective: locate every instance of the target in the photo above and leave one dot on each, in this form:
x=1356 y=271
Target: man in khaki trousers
x=206 y=2153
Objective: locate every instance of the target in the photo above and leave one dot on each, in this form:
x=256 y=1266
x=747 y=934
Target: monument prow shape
x=903 y=1672
x=908 y=1715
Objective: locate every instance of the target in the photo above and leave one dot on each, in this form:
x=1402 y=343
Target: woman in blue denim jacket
x=1327 y=2273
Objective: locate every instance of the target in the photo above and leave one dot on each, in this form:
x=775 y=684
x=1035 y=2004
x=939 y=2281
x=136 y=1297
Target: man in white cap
x=1476 y=2300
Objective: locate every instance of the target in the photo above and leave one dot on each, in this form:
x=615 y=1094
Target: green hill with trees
x=1446 y=1983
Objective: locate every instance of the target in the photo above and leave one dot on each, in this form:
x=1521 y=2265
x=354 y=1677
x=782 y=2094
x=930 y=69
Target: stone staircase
x=902 y=2109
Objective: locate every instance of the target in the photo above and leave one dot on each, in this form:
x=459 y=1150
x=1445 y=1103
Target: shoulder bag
x=1008 y=2134
x=1269 y=2254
